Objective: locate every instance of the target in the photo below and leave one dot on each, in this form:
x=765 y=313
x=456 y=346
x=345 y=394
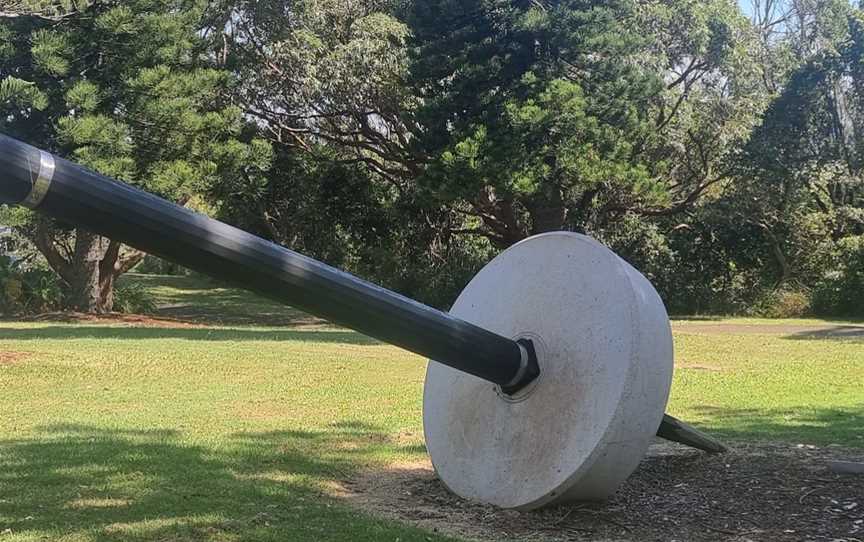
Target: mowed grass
x=784 y=387
x=239 y=432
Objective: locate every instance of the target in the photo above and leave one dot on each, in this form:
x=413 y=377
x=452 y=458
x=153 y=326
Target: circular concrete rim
x=606 y=376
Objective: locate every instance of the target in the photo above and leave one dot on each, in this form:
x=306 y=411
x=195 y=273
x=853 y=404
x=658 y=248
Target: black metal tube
x=104 y=206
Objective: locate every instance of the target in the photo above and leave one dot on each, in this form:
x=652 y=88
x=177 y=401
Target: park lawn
x=239 y=432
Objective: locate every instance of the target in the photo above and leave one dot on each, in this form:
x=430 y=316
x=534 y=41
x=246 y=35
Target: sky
x=747 y=6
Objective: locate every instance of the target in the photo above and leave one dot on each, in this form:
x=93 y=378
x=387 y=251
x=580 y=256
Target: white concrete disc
x=605 y=351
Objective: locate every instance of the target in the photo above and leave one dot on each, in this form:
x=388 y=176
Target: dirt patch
x=196 y=319
x=758 y=492
x=132 y=320
x=8 y=358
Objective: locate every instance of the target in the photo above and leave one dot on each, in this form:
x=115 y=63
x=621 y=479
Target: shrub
x=786 y=302
x=28 y=290
x=133 y=297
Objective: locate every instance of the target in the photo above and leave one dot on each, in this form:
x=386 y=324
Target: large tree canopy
x=715 y=147
x=518 y=116
x=134 y=90
x=554 y=115
x=803 y=179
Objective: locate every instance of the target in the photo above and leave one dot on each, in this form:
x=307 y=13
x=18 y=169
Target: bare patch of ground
x=181 y=319
x=132 y=320
x=185 y=321
x=8 y=358
x=823 y=331
x=757 y=492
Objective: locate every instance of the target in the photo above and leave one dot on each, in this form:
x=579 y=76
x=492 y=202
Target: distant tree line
x=717 y=147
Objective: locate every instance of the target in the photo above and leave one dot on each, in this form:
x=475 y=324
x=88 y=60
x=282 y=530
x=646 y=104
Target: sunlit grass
x=774 y=387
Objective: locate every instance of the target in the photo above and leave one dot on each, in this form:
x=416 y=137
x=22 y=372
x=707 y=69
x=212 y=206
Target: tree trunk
x=106 y=292
x=90 y=268
x=86 y=295
x=500 y=217
x=547 y=210
x=779 y=256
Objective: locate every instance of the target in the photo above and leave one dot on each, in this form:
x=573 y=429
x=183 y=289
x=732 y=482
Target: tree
x=515 y=117
x=790 y=32
x=322 y=208
x=134 y=90
x=326 y=71
x=573 y=114
x=801 y=180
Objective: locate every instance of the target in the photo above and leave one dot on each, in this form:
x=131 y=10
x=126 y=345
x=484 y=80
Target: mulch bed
x=757 y=492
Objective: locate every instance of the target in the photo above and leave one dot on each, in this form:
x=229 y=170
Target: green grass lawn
x=233 y=432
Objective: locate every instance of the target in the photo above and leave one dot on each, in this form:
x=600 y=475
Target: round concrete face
x=605 y=351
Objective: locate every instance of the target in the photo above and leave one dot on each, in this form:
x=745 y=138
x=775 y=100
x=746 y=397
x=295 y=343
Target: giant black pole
x=70 y=193
x=73 y=194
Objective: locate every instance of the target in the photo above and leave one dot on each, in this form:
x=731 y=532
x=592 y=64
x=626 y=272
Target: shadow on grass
x=150 y=485
x=240 y=313
x=190 y=334
x=180 y=282
x=807 y=425
x=841 y=332
x=200 y=300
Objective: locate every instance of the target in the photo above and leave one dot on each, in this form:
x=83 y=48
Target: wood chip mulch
x=757 y=492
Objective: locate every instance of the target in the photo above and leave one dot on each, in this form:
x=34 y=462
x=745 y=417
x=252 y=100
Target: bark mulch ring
x=758 y=492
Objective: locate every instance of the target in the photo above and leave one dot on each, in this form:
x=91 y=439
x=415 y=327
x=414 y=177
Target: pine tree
x=534 y=113
x=131 y=89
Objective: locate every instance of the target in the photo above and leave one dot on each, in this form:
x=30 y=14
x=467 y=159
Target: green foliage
x=549 y=136
x=28 y=290
x=841 y=292
x=515 y=106
x=133 y=297
x=801 y=177
x=52 y=51
x=421 y=262
x=47 y=8
x=407 y=141
x=132 y=90
x=22 y=93
x=83 y=97
x=786 y=302
x=7 y=48
x=643 y=244
x=15 y=217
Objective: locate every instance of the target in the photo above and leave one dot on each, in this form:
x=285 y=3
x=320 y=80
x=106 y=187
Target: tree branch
x=128 y=261
x=45 y=243
x=109 y=259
